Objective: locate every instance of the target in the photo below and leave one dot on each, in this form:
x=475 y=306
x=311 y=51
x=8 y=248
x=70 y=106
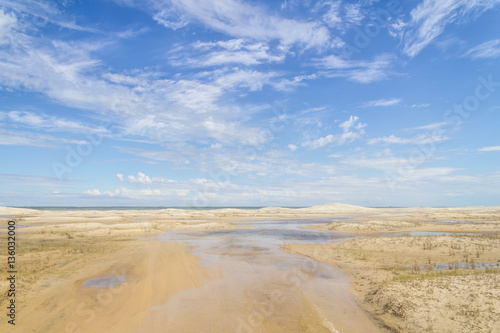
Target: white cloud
x=430 y=17
x=332 y=17
x=385 y=164
x=42 y=12
x=131 y=33
x=353 y=13
x=240 y=19
x=352 y=122
x=248 y=79
x=134 y=193
x=234 y=51
x=352 y=130
x=95 y=192
x=490 y=49
x=127 y=80
x=422 y=105
x=18 y=180
x=492 y=148
x=141 y=178
x=248 y=161
x=419 y=139
x=230 y=132
x=23 y=138
x=289 y=85
x=7 y=23
x=339 y=14
x=354 y=70
x=433 y=126
x=419 y=173
x=396 y=29
x=199 y=117
x=177 y=156
x=321 y=142
x=140 y=103
x=394 y=165
x=146 y=103
x=45 y=122
x=169 y=18
x=231 y=44
x=383 y=102
x=424 y=186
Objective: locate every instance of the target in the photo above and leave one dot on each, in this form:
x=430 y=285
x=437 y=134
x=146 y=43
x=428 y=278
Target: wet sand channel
x=260 y=288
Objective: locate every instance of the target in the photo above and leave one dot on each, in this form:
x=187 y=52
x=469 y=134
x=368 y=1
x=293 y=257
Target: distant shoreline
x=104 y=208
x=57 y=208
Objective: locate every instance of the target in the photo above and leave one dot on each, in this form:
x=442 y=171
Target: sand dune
x=62 y=250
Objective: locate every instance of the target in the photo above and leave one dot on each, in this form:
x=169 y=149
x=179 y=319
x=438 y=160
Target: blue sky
x=249 y=103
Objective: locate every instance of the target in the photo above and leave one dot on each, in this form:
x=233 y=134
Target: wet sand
x=420 y=271
x=153 y=272
x=261 y=288
x=231 y=270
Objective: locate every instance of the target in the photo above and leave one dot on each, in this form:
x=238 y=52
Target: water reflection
x=104 y=282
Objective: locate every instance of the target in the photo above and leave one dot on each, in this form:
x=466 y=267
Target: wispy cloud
x=355 y=70
x=141 y=103
x=430 y=17
x=432 y=173
x=332 y=17
x=240 y=19
x=383 y=102
x=44 y=12
x=421 y=105
x=437 y=181
x=174 y=156
x=433 y=126
x=142 y=178
x=7 y=23
x=492 y=148
x=396 y=29
x=419 y=139
x=489 y=49
x=24 y=138
x=339 y=14
x=45 y=122
x=249 y=80
x=352 y=129
x=202 y=99
x=393 y=164
x=354 y=13
x=220 y=53
x=31 y=180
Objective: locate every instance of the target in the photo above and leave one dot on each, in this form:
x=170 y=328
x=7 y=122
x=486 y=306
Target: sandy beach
x=327 y=268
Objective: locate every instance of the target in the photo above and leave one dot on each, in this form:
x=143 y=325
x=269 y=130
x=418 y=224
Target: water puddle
x=261 y=288
x=271 y=234
x=452 y=222
x=104 y=282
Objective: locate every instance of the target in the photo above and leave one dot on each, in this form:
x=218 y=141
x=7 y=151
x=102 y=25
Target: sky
x=249 y=103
